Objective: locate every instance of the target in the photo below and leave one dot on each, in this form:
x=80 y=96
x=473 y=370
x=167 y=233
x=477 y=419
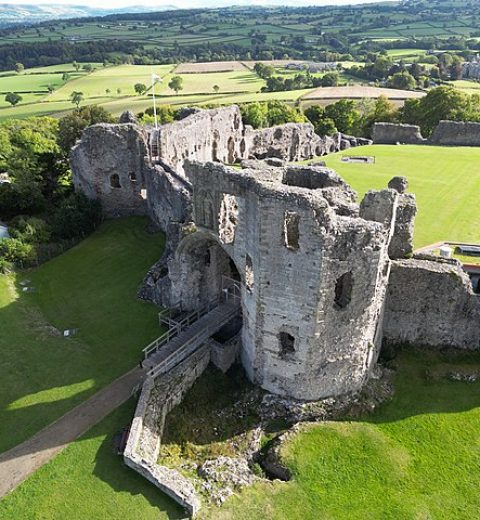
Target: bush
x=31 y=230
x=14 y=250
x=20 y=198
x=5 y=266
x=76 y=217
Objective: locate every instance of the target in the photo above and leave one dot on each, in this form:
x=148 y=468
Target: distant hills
x=13 y=14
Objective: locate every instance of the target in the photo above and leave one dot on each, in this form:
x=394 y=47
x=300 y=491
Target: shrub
x=76 y=217
x=31 y=230
x=15 y=251
x=5 y=266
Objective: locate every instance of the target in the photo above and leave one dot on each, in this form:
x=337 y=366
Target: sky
x=109 y=4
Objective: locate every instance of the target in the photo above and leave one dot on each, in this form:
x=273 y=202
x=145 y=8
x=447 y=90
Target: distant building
x=313 y=66
x=5 y=178
x=471 y=69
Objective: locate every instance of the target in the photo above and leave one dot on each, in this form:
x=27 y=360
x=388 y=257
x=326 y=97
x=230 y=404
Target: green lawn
x=446 y=182
x=92 y=287
x=88 y=481
x=417 y=457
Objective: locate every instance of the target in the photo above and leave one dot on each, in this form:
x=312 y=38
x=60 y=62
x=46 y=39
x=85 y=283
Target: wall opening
x=115 y=181
x=249 y=275
x=133 y=176
x=286 y=343
x=243 y=147
x=343 y=290
x=215 y=151
x=231 y=151
x=208 y=214
x=228 y=219
x=291 y=230
x=207 y=272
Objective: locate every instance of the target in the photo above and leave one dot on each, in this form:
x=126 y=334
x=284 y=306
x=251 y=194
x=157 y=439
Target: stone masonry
x=447 y=133
x=321 y=278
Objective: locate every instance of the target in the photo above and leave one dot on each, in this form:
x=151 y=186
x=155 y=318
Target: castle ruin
x=312 y=266
x=319 y=281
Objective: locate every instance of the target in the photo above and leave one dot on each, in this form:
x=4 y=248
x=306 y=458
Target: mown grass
x=91 y=287
x=445 y=180
x=417 y=457
x=89 y=481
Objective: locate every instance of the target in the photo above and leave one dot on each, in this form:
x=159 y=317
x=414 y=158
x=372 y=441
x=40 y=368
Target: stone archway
x=205 y=271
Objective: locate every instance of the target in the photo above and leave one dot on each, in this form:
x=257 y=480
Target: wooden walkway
x=20 y=462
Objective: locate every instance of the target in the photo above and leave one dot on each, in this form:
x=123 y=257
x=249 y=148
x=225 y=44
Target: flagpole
x=154 y=103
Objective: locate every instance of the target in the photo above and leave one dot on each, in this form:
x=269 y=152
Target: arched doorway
x=206 y=271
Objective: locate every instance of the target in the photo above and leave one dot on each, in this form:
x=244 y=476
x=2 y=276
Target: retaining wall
x=157 y=399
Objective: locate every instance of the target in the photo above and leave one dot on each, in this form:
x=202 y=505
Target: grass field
x=89 y=481
x=416 y=457
x=444 y=180
x=92 y=287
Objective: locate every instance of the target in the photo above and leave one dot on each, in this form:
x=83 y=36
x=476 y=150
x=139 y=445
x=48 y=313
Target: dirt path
x=20 y=462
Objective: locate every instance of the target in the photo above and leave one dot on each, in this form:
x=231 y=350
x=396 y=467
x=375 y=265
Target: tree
x=76 y=97
x=402 y=80
x=345 y=115
x=71 y=126
x=216 y=89
x=107 y=91
x=330 y=79
x=13 y=98
x=76 y=66
x=88 y=67
x=65 y=76
x=51 y=88
x=119 y=90
x=176 y=84
x=444 y=102
x=140 y=88
x=19 y=68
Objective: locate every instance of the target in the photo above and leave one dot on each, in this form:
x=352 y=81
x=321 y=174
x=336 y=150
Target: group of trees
x=408 y=76
x=39 y=204
x=304 y=79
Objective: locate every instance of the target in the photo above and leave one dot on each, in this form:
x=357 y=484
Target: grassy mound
x=416 y=457
x=92 y=288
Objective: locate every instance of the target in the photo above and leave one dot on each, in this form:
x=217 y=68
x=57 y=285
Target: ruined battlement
x=446 y=133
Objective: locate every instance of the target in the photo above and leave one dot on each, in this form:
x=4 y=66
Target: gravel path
x=20 y=462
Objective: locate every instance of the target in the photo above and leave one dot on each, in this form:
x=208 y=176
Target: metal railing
x=175 y=328
x=190 y=346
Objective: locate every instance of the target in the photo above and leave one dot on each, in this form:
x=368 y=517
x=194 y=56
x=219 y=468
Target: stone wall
x=290 y=142
x=206 y=135
x=393 y=133
x=447 y=133
x=431 y=302
x=454 y=133
x=109 y=163
x=157 y=399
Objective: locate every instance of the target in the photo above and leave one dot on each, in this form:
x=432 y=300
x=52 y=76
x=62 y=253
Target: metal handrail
x=171 y=333
x=165 y=365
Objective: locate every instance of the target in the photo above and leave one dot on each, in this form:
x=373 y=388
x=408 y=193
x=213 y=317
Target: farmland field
x=360 y=92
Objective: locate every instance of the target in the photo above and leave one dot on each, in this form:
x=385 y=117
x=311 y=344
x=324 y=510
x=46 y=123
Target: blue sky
x=185 y=3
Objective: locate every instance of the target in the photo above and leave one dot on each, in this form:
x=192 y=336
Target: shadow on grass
x=109 y=467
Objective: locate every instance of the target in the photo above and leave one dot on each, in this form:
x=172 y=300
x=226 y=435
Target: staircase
x=176 y=345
